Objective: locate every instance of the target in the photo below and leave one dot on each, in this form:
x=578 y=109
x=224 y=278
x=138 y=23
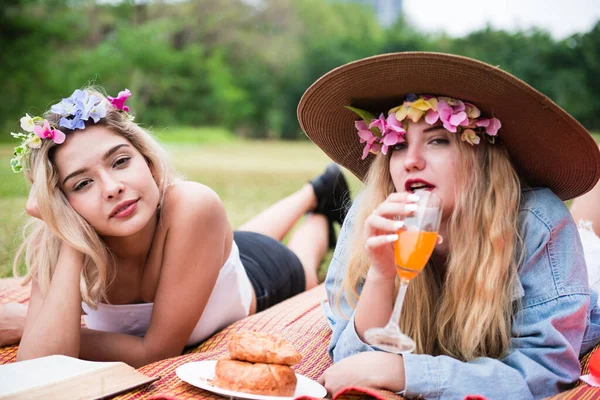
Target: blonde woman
x=503 y=308
x=150 y=258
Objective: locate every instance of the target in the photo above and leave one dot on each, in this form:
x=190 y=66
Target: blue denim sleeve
x=547 y=330
x=542 y=361
x=340 y=315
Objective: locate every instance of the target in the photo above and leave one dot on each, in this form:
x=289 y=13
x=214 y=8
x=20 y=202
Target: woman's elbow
x=157 y=353
x=28 y=353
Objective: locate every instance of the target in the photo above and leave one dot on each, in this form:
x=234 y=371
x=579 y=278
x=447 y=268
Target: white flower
x=34 y=142
x=27 y=123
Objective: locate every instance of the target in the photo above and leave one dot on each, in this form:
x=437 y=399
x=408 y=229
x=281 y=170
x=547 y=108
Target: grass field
x=247 y=175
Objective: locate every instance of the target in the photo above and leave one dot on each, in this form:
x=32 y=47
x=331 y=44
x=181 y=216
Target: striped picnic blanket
x=298 y=320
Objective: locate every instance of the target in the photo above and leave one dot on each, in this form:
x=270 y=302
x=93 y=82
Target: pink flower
x=119 y=101
x=392 y=124
x=379 y=123
x=391 y=139
x=360 y=125
x=452 y=117
x=431 y=117
x=459 y=119
x=393 y=134
x=366 y=136
x=371 y=146
x=445 y=112
x=46 y=132
x=491 y=125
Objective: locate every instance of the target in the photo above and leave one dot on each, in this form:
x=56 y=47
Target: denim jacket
x=557 y=322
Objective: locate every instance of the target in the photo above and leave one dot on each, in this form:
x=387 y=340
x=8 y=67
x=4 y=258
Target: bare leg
x=277 y=220
x=12 y=322
x=326 y=195
x=309 y=243
x=587 y=207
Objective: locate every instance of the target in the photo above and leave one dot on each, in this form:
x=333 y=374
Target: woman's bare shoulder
x=186 y=199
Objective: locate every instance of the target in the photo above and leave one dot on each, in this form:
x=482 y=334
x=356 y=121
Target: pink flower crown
x=74 y=111
x=457 y=116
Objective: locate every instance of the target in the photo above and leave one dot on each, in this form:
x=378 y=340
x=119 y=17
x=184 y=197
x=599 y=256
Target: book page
x=62 y=375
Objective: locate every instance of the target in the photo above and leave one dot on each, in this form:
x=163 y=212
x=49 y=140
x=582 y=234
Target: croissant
x=265 y=379
x=262 y=348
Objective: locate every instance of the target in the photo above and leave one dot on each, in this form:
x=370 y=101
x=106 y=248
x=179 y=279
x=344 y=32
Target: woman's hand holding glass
x=381 y=231
x=399 y=238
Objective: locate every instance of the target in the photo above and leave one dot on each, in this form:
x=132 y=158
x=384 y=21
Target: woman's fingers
x=376 y=221
x=403 y=197
x=378 y=241
x=397 y=205
x=393 y=209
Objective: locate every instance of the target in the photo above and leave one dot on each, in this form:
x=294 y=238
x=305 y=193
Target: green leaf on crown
x=367 y=117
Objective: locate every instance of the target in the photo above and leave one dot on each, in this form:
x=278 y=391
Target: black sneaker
x=333 y=194
x=333 y=197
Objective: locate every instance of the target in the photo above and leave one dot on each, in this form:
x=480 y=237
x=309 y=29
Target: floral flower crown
x=457 y=116
x=73 y=110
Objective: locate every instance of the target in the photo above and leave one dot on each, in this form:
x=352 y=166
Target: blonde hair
x=61 y=223
x=465 y=309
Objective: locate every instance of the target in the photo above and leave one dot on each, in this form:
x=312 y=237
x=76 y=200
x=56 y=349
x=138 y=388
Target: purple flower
x=70 y=105
x=74 y=123
x=93 y=108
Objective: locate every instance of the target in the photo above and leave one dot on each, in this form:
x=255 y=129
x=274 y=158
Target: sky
x=561 y=18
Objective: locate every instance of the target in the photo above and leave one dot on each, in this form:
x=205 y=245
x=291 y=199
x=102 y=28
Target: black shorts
x=275 y=271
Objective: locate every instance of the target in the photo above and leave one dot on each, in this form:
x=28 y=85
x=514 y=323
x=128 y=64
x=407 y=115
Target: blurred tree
x=32 y=35
x=585 y=62
x=242 y=65
x=329 y=34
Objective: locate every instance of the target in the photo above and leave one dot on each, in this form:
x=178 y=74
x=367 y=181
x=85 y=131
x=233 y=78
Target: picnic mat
x=298 y=320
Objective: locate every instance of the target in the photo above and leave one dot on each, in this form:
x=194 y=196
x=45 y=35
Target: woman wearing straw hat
x=503 y=308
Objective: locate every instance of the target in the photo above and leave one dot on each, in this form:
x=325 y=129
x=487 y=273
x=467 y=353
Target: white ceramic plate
x=201 y=374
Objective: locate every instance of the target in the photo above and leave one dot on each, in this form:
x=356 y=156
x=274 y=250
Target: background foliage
x=243 y=68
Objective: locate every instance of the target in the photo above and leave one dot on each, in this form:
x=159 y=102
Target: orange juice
x=411 y=252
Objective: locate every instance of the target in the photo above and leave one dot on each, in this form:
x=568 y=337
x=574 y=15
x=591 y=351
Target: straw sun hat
x=547 y=146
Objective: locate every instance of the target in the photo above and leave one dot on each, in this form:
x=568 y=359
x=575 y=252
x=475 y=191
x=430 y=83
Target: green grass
x=248 y=176
x=202 y=135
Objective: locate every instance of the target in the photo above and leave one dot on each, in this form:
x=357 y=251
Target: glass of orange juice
x=416 y=240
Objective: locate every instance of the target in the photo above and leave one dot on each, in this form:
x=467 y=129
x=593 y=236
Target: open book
x=62 y=377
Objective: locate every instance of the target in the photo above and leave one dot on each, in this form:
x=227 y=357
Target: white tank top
x=229 y=301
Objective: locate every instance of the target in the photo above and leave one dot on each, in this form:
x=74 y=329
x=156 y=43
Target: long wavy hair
x=463 y=309
x=61 y=223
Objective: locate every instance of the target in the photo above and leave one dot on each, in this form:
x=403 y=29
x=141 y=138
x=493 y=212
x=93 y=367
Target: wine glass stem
x=395 y=318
